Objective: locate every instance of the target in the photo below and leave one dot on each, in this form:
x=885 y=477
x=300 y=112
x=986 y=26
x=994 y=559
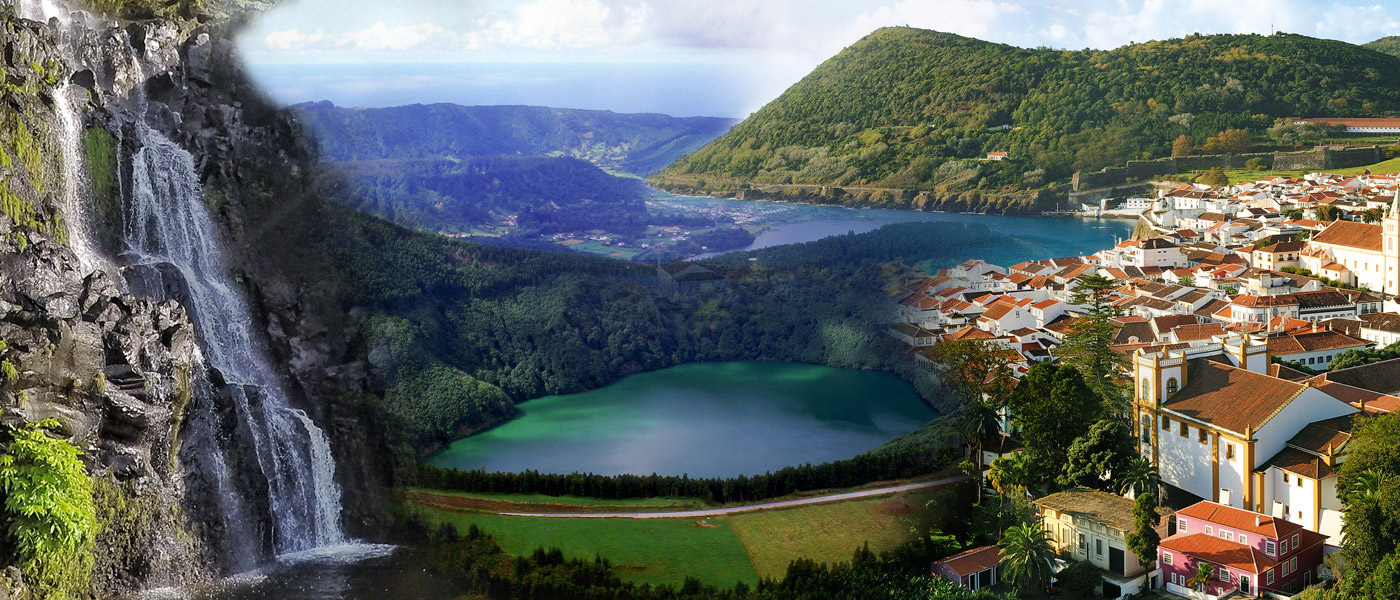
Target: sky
x=717 y=57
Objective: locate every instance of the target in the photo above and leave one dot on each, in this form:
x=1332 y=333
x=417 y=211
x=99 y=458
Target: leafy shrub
x=50 y=522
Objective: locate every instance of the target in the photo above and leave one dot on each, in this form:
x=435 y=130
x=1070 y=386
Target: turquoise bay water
x=702 y=419
x=1028 y=238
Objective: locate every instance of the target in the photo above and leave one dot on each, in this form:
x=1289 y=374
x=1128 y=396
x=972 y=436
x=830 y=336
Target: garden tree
x=1139 y=477
x=1364 y=356
x=1089 y=342
x=1204 y=572
x=1026 y=555
x=976 y=369
x=1230 y=140
x=1080 y=580
x=1293 y=214
x=1186 y=280
x=1372 y=215
x=1000 y=512
x=1215 y=176
x=1052 y=406
x=1256 y=164
x=1181 y=146
x=1143 y=539
x=49 y=519
x=1327 y=213
x=976 y=421
x=1010 y=475
x=945 y=514
x=1100 y=457
x=1370 y=495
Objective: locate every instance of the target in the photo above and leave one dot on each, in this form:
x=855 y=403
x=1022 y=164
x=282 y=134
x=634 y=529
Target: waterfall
x=75 y=182
x=165 y=224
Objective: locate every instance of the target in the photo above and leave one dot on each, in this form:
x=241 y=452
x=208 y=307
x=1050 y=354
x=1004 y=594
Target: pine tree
x=1143 y=539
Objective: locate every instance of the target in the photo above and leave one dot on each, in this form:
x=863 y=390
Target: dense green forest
x=461 y=331
x=544 y=195
x=914 y=109
x=629 y=143
x=1389 y=45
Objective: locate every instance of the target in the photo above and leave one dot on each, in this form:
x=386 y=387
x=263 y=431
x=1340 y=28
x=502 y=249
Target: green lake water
x=702 y=419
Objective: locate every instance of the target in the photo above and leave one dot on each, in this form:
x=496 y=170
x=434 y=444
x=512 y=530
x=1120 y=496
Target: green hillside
x=541 y=195
x=913 y=109
x=1389 y=45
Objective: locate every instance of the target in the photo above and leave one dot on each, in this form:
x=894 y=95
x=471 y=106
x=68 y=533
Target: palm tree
x=1009 y=473
x=977 y=421
x=1204 y=571
x=1369 y=484
x=1139 y=477
x=1026 y=555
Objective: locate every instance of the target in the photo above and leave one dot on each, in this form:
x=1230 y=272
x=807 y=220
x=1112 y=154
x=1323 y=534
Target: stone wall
x=1322 y=157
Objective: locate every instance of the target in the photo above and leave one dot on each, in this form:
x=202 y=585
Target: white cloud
x=293 y=39
x=382 y=37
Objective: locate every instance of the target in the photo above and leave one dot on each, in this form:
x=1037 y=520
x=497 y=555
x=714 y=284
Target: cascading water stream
x=75 y=183
x=166 y=223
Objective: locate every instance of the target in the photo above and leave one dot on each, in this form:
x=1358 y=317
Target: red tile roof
x=972 y=561
x=1221 y=552
x=1351 y=234
x=1238 y=518
x=1231 y=398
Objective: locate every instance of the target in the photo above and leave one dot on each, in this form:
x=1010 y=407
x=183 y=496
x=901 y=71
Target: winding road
x=691 y=514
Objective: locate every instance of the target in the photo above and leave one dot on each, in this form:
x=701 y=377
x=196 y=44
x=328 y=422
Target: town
x=1248 y=329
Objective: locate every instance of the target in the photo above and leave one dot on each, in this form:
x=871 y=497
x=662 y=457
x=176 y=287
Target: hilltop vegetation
x=1389 y=45
x=628 y=143
x=540 y=195
x=913 y=109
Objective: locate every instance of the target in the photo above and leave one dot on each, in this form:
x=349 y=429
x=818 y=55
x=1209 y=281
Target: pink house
x=973 y=569
x=1251 y=552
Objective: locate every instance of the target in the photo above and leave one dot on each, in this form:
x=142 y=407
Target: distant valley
x=521 y=176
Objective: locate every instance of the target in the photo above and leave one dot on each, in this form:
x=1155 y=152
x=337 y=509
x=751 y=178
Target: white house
x=1210 y=427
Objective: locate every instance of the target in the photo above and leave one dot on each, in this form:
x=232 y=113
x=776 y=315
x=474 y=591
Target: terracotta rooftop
x=1240 y=519
x=972 y=561
x=1231 y=398
x=1351 y=234
x=1221 y=552
x=1382 y=377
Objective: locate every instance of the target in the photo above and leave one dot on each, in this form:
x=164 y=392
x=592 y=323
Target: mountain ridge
x=631 y=143
x=915 y=109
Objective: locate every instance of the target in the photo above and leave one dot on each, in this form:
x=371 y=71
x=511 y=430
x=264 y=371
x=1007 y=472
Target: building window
x=1171 y=386
x=1299 y=480
x=1269 y=547
x=1166 y=423
x=1293 y=563
x=1244 y=539
x=1269 y=577
x=1285 y=477
x=1229 y=452
x=1227 y=535
x=1208 y=530
x=1166 y=558
x=1201 y=435
x=1146 y=388
x=1098 y=546
x=1184 y=429
x=1082 y=543
x=1180 y=524
x=1295 y=536
x=1283 y=543
x=1224 y=575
